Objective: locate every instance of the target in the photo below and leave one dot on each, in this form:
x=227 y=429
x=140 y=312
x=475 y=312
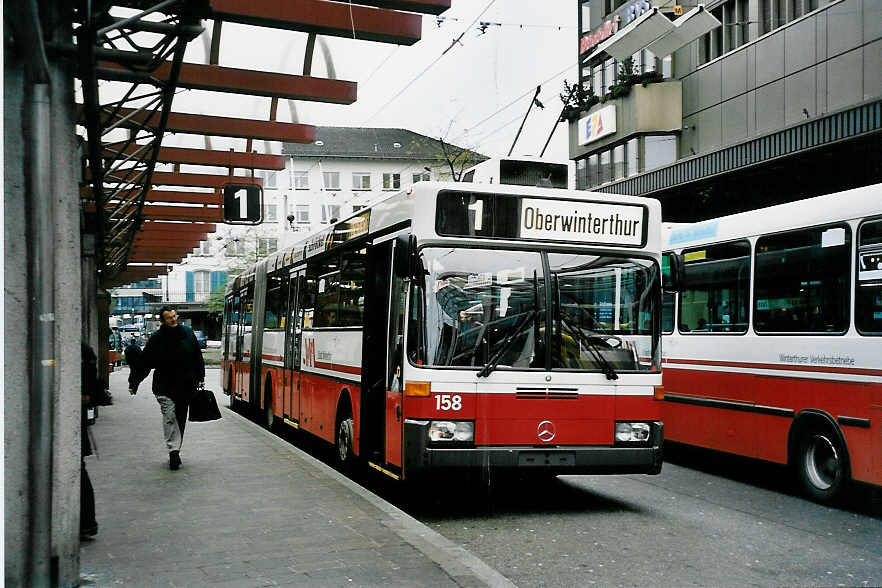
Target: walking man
x=174 y=355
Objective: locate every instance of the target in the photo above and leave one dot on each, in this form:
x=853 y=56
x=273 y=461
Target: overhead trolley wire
x=512 y=103
x=428 y=67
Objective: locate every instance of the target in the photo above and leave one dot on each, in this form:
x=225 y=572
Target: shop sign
x=597 y=124
x=601 y=33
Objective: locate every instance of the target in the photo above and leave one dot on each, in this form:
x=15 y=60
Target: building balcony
x=654 y=108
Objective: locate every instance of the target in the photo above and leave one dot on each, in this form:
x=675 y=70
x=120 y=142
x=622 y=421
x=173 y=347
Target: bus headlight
x=632 y=432
x=457 y=431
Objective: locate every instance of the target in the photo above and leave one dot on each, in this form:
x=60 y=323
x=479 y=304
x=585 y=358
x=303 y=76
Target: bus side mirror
x=415 y=266
x=673 y=275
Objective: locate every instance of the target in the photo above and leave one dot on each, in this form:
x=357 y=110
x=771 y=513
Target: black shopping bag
x=203 y=407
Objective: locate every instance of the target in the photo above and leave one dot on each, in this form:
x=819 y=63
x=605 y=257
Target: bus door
x=381 y=422
x=395 y=355
x=293 y=337
x=243 y=342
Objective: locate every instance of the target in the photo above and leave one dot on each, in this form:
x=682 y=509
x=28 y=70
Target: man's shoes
x=88 y=532
x=174 y=460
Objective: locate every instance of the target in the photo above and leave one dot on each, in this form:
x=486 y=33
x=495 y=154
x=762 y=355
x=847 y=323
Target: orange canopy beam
x=148 y=227
x=206 y=157
x=423 y=6
x=190 y=242
x=183 y=213
x=224 y=126
x=337 y=19
x=185 y=197
x=199 y=180
x=231 y=80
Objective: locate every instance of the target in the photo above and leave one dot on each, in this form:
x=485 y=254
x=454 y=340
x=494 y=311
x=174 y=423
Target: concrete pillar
x=16 y=485
x=64 y=405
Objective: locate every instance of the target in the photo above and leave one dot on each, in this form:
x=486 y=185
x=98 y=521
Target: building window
x=422 y=177
x=330 y=211
x=659 y=150
x=301 y=180
x=301 y=212
x=391 y=181
x=267 y=245
x=204 y=248
x=592 y=173
x=361 y=180
x=632 y=152
x=270 y=213
x=331 y=180
x=619 y=161
x=269 y=178
x=201 y=284
x=605 y=169
x=235 y=248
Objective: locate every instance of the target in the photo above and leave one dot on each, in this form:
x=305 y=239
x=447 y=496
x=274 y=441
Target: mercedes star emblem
x=545 y=431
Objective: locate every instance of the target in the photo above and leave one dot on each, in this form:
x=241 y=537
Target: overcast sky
x=536 y=43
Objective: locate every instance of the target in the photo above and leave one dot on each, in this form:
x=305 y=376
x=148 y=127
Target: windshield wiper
x=507 y=344
x=605 y=366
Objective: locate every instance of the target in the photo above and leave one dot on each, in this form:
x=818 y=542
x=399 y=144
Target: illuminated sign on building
x=611 y=26
x=597 y=124
x=601 y=33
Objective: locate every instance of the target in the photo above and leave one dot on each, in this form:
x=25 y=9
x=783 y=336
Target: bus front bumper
x=421 y=458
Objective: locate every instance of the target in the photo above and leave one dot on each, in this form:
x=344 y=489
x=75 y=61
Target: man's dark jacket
x=175 y=357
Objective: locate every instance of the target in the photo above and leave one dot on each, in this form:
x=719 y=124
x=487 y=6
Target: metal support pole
x=41 y=222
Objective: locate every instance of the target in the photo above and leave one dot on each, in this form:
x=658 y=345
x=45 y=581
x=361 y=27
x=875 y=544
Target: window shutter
x=190 y=288
x=218 y=281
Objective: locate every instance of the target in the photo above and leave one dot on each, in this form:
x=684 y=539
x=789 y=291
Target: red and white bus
x=777 y=350
x=458 y=325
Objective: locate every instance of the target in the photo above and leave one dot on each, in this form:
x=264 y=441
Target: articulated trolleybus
x=483 y=327
x=777 y=350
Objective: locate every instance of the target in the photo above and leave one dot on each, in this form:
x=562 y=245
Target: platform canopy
x=145 y=219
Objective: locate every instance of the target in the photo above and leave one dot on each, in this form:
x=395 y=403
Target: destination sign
x=503 y=216
x=592 y=222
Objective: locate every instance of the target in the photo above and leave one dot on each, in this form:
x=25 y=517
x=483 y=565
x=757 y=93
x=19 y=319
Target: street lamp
x=168 y=271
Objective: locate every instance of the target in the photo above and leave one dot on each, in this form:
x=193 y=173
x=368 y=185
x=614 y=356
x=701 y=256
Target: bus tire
x=269 y=418
x=822 y=464
x=343 y=436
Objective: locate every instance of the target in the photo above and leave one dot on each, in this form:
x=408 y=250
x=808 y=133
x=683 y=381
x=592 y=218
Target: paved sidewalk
x=245 y=509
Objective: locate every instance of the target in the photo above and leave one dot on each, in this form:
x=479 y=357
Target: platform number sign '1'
x=243 y=204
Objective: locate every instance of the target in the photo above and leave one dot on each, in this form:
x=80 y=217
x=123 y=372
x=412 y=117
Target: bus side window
x=801 y=281
x=715 y=298
x=868 y=293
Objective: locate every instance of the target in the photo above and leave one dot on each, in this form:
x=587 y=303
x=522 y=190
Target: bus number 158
x=448 y=402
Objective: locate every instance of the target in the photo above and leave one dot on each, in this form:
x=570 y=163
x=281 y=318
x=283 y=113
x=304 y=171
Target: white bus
x=773 y=348
x=451 y=325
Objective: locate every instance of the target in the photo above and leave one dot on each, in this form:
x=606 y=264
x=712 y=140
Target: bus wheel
x=343 y=443
x=822 y=465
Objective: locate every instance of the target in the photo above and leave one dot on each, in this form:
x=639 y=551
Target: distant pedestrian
x=89 y=390
x=174 y=355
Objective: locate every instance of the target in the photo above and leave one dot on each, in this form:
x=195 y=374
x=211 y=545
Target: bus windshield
x=491 y=309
